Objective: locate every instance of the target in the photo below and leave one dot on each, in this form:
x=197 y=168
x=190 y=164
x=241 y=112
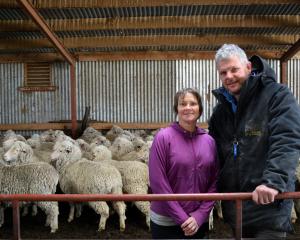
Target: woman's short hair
x=182 y=93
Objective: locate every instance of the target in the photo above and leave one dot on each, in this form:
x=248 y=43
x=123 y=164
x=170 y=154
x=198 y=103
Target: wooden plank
x=291 y=52
x=140 y=3
x=165 y=55
x=31 y=57
x=204 y=21
x=34 y=126
x=96 y=125
x=168 y=41
x=138 y=55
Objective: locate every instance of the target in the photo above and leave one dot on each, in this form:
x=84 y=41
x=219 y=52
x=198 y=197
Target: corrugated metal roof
x=188 y=26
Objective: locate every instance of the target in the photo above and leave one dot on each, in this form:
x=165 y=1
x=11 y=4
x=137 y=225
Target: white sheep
x=81 y=176
x=85 y=148
x=42 y=150
x=141 y=154
x=135 y=177
x=101 y=140
x=23 y=176
x=120 y=147
x=89 y=134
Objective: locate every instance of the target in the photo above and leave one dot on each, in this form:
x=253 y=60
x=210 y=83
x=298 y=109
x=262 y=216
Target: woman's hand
x=190 y=226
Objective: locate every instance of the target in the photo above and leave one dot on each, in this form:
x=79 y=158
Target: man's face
x=233 y=73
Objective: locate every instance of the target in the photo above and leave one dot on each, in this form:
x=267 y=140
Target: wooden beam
x=99 y=126
x=165 y=55
x=31 y=57
x=134 y=41
x=137 y=55
x=291 y=52
x=140 y=3
x=204 y=21
x=283 y=72
x=45 y=29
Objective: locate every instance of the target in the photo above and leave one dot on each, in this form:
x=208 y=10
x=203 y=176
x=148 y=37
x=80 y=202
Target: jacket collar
x=178 y=128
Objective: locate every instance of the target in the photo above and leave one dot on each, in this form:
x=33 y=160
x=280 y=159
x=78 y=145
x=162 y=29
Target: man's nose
x=228 y=75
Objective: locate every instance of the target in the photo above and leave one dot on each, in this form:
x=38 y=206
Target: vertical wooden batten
x=284 y=58
x=65 y=53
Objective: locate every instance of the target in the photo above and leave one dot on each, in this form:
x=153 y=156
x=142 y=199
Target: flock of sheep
x=93 y=164
x=116 y=163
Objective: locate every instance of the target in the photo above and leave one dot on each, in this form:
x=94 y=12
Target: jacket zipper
x=235 y=146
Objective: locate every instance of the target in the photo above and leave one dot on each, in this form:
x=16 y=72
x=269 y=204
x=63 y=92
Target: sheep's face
x=48 y=136
x=82 y=144
x=34 y=143
x=138 y=144
x=19 y=152
x=101 y=153
x=101 y=140
x=65 y=152
x=89 y=131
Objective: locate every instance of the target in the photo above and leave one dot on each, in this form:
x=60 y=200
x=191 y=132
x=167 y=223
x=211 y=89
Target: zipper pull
x=235 y=148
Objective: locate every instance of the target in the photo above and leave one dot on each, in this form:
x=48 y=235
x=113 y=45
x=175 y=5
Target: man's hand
x=264 y=195
x=190 y=226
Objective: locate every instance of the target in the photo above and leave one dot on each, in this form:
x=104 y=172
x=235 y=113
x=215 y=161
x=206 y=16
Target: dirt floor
x=85 y=227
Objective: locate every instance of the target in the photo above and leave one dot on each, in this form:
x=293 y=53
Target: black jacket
x=266 y=127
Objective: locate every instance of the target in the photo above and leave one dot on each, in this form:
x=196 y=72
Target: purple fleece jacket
x=183 y=162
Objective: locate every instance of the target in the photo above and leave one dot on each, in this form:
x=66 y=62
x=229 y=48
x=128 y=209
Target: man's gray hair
x=229 y=50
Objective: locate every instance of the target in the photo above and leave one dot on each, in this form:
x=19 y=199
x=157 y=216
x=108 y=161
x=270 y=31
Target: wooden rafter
x=45 y=29
x=127 y=41
x=140 y=55
x=291 y=52
x=211 y=21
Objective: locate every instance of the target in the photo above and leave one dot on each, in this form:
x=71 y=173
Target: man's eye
x=234 y=70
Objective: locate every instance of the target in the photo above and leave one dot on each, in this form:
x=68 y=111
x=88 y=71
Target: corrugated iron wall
x=293 y=70
x=127 y=91
x=117 y=91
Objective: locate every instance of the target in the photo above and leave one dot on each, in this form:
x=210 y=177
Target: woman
x=182 y=160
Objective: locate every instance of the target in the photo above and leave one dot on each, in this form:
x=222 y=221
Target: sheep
x=85 y=148
x=82 y=176
x=9 y=140
x=89 y=134
x=142 y=154
x=42 y=150
x=120 y=147
x=116 y=131
x=22 y=175
x=101 y=140
x=135 y=177
x=36 y=142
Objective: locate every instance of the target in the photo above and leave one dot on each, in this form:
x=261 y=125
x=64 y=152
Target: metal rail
x=238 y=197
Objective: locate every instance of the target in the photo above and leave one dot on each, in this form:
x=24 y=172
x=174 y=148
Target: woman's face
x=188 y=109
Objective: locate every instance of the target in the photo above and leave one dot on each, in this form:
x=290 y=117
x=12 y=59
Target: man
x=256 y=125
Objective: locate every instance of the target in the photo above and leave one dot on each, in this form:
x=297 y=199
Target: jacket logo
x=252 y=133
